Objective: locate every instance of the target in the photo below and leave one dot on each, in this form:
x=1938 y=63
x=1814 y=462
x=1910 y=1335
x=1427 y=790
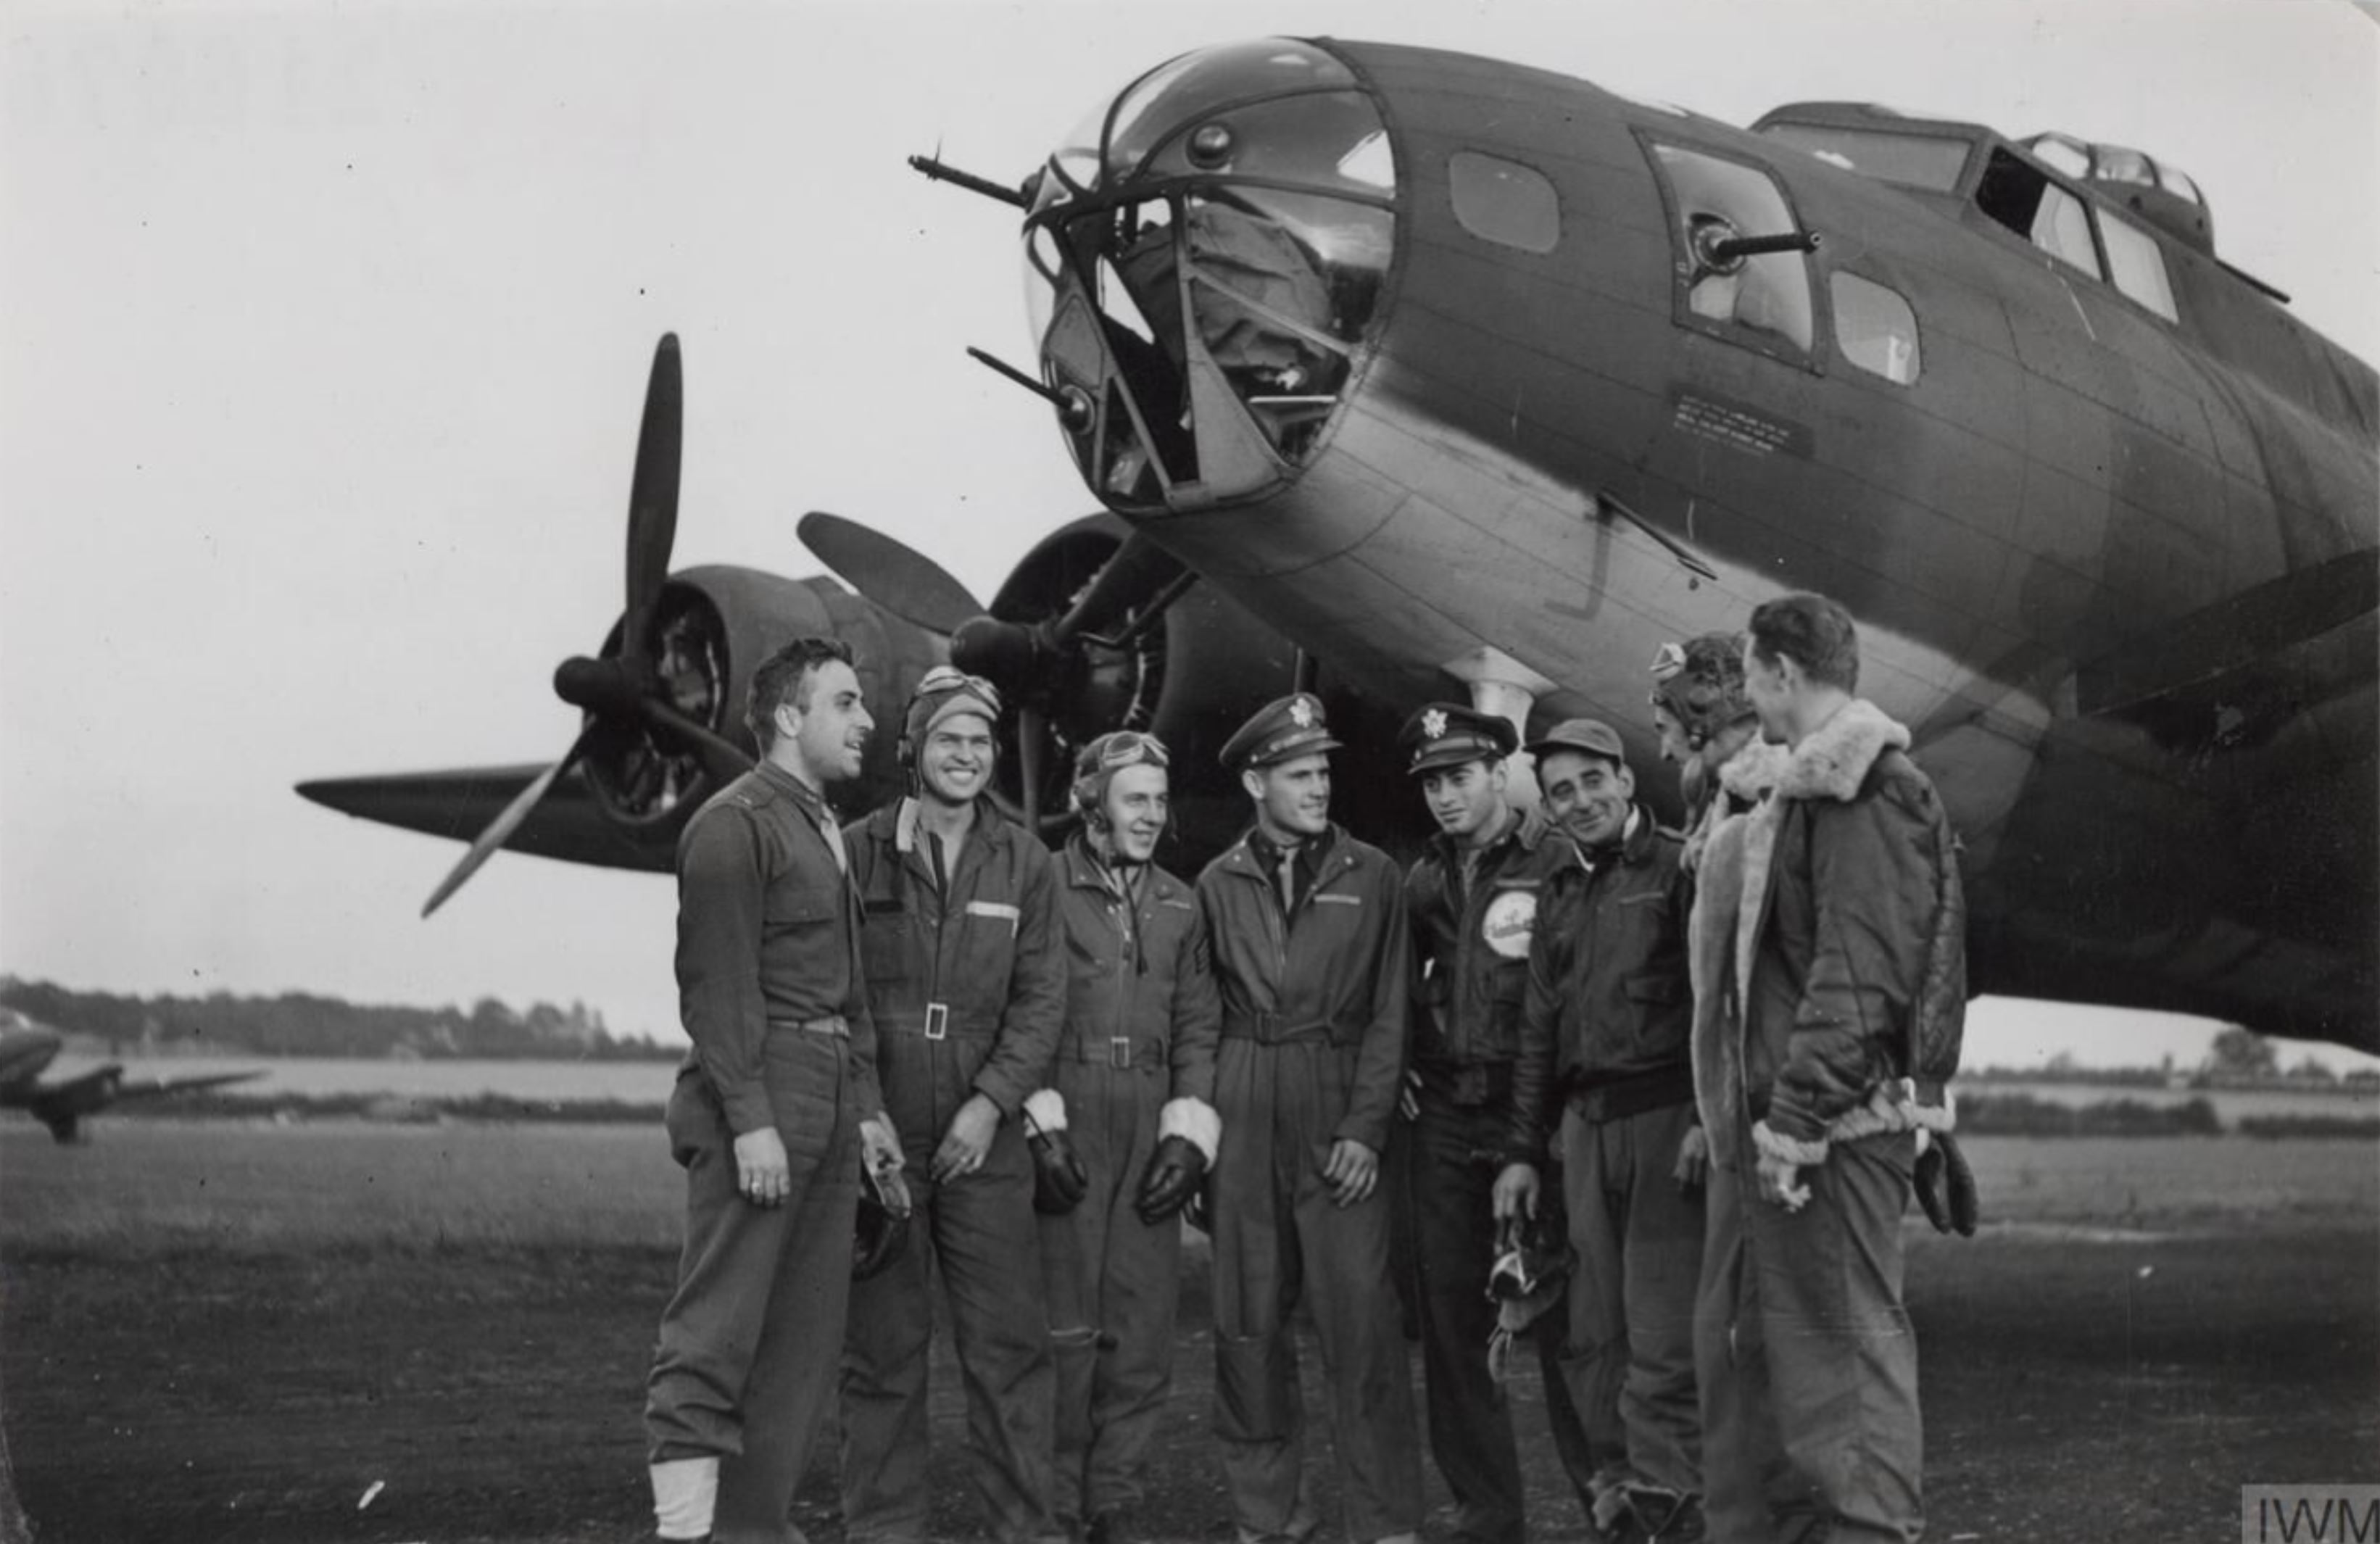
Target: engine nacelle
x=1192 y=680
x=713 y=629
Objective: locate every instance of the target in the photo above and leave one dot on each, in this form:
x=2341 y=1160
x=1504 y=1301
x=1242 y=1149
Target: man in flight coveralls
x=967 y=979
x=771 y=1111
x=1134 y=1077
x=1311 y=954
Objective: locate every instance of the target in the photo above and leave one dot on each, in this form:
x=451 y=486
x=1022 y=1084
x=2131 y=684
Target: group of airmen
x=1650 y=1101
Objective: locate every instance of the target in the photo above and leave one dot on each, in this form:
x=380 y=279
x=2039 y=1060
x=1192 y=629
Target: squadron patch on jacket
x=1511 y=917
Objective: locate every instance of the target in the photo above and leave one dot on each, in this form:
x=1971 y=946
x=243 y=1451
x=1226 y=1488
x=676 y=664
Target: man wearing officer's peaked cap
x=1310 y=959
x=1472 y=901
x=1288 y=726
x=1448 y=734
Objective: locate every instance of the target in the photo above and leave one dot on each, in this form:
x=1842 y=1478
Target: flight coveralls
x=1142 y=1020
x=770 y=993
x=1606 y=1052
x=966 y=979
x=1471 y=948
x=1314 y=999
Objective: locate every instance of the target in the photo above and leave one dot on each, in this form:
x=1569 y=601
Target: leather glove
x=1176 y=1169
x=1946 y=1187
x=1060 y=1181
x=1199 y=1212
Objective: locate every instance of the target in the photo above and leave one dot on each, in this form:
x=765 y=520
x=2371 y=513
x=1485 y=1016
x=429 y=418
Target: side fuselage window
x=1503 y=202
x=1761 y=300
x=1875 y=327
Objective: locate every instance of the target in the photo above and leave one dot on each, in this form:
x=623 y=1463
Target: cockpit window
x=1202 y=285
x=2061 y=153
x=2115 y=164
x=2018 y=196
x=2137 y=266
x=1503 y=202
x=1926 y=161
x=1761 y=301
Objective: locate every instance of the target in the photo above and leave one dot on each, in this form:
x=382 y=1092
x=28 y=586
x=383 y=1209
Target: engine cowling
x=714 y=626
x=1192 y=680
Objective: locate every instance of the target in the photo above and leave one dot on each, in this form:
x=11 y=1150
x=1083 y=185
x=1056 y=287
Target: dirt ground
x=2083 y=1380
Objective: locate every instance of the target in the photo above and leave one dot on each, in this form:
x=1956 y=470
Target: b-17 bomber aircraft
x=27 y=1049
x=1414 y=372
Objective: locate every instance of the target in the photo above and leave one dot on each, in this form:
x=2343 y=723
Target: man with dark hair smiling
x=966 y=976
x=772 y=1110
x=1604 y=1080
x=1310 y=946
x=1850 y=955
x=1471 y=899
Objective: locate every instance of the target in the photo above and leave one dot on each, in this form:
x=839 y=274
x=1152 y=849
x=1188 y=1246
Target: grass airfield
x=353 y=1332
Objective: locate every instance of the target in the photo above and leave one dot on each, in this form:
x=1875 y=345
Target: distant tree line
x=2237 y=1058
x=2024 y=1116
x=301 y=1024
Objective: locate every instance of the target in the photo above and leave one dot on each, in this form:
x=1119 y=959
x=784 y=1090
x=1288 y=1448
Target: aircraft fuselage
x=2117 y=572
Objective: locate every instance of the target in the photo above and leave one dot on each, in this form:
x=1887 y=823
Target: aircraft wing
x=62 y=1105
x=459 y=803
x=153 y=1087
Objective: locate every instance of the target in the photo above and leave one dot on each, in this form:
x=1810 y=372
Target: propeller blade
x=1031 y=731
x=652 y=495
x=1140 y=569
x=505 y=823
x=902 y=581
x=722 y=760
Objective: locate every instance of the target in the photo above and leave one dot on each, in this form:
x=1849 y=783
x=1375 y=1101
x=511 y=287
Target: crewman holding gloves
x=966 y=981
x=1126 y=1134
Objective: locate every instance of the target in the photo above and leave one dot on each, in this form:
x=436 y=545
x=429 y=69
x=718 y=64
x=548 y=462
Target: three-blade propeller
x=626 y=684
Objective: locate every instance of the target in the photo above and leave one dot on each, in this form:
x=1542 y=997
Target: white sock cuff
x=1045 y=1108
x=1193 y=1119
x=685 y=1493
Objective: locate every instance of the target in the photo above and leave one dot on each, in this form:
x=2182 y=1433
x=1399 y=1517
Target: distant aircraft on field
x=1431 y=374
x=26 y=1050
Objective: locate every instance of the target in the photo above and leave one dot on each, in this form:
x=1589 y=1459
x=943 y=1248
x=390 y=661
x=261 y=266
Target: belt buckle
x=1119 y=1053
x=938 y=1021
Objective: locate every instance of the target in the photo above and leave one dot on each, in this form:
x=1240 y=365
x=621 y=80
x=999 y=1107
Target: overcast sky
x=326 y=329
